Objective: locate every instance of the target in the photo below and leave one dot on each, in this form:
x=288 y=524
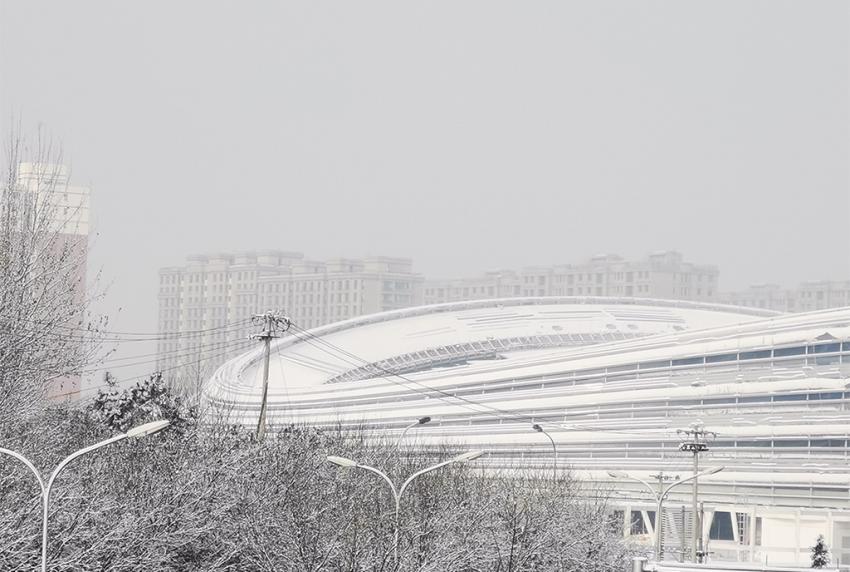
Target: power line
x=163 y=370
x=89 y=334
x=388 y=374
x=185 y=352
x=190 y=352
x=170 y=353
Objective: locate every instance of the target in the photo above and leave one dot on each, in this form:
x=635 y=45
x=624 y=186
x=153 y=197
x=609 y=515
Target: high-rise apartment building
x=205 y=306
x=662 y=275
x=65 y=206
x=765 y=296
x=807 y=297
x=55 y=215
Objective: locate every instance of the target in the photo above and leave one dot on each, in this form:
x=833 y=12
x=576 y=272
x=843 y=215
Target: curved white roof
x=406 y=340
x=610 y=380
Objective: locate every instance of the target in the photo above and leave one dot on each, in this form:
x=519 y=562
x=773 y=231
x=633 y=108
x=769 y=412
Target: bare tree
x=47 y=335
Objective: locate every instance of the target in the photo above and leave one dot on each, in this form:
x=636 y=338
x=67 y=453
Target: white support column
x=797 y=535
x=650 y=527
x=752 y=532
x=830 y=532
x=707 y=520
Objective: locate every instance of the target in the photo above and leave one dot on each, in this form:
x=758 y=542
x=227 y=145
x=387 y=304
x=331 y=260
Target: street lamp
x=659 y=497
x=348 y=463
x=420 y=421
x=540 y=429
x=135 y=432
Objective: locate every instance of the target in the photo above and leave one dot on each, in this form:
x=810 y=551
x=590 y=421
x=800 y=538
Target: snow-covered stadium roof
x=610 y=380
x=412 y=339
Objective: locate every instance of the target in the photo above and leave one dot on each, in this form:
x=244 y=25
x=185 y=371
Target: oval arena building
x=613 y=382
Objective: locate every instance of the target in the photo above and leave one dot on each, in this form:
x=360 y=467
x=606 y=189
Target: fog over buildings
x=468 y=137
x=486 y=187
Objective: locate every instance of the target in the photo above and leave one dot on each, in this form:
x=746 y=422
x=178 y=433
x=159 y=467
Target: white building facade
x=611 y=380
x=806 y=297
x=660 y=275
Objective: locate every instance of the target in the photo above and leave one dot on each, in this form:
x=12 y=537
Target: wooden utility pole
x=271 y=322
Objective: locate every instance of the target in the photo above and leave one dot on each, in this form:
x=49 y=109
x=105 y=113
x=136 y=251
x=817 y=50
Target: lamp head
x=148 y=428
x=424 y=420
x=341 y=461
x=618 y=475
x=714 y=471
x=468 y=456
x=537 y=428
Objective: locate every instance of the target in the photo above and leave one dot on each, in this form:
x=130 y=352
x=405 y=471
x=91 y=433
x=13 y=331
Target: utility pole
x=271 y=322
x=695 y=443
x=659 y=527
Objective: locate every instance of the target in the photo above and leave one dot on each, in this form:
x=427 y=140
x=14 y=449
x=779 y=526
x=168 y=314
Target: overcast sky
x=466 y=135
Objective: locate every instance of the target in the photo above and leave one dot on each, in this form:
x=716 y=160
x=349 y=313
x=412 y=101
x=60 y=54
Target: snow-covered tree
x=147 y=400
x=820 y=553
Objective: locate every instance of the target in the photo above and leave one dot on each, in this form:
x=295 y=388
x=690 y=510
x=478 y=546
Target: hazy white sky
x=465 y=135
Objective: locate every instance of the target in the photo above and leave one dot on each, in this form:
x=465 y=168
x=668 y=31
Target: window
x=687 y=361
x=827 y=443
x=637 y=524
x=803 y=443
x=781 y=352
x=655 y=364
x=743 y=528
x=790 y=397
x=760 y=354
x=826 y=348
x=830 y=395
x=721 y=527
x=721 y=358
x=753 y=443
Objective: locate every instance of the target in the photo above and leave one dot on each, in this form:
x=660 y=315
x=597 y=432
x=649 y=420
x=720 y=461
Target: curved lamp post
x=137 y=432
x=420 y=421
x=660 y=497
x=540 y=429
x=348 y=463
